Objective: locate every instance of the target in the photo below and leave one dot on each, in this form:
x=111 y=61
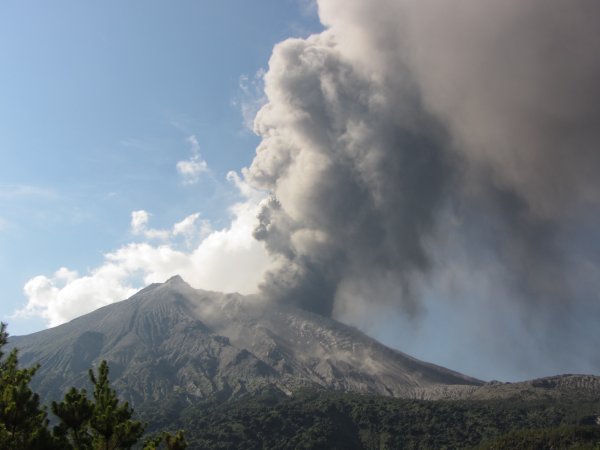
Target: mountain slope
x=172 y=340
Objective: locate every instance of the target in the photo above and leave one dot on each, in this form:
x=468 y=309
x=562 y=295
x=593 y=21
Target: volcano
x=171 y=340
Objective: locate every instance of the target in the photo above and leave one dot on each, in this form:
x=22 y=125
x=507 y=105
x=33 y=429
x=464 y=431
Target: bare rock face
x=172 y=340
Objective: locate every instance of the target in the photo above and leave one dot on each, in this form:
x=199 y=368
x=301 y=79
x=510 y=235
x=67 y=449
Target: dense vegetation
x=565 y=437
x=326 y=420
x=100 y=423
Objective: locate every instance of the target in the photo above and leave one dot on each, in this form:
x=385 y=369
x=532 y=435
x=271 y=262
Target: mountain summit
x=170 y=340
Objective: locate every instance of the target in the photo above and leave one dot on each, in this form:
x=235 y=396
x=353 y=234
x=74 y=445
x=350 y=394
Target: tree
x=23 y=422
x=111 y=424
x=74 y=412
x=172 y=441
x=102 y=423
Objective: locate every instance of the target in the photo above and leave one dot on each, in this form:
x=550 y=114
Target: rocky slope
x=170 y=340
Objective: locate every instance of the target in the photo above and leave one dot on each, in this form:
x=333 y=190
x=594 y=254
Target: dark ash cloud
x=403 y=114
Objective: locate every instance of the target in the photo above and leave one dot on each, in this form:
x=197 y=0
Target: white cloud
x=65 y=295
x=139 y=222
x=186 y=226
x=227 y=260
x=191 y=169
x=189 y=228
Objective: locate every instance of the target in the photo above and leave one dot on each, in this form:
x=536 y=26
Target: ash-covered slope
x=172 y=340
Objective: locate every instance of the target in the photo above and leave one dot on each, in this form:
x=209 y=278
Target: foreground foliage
x=102 y=423
x=23 y=422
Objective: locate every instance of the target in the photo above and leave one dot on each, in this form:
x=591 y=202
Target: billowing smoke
x=411 y=137
x=354 y=192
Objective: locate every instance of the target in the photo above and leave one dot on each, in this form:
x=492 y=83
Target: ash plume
x=408 y=123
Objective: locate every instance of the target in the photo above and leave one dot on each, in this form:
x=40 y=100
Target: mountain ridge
x=170 y=340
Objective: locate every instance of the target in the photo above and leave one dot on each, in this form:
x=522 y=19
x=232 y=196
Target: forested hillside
x=326 y=420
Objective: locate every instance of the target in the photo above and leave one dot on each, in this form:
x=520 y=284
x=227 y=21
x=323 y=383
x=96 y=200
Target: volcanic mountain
x=170 y=340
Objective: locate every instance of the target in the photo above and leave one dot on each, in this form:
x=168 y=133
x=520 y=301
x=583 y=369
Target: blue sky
x=98 y=102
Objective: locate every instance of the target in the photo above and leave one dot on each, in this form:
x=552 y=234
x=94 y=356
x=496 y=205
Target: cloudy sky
x=119 y=125
x=424 y=171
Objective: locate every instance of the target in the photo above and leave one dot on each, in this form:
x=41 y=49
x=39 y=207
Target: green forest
x=327 y=420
